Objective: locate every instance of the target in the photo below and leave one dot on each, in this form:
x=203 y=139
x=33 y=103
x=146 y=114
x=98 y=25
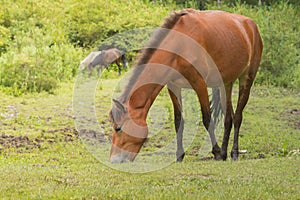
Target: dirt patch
x=10 y=141
x=293 y=116
x=24 y=142
x=93 y=136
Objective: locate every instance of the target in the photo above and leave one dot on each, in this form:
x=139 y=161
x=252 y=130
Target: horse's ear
x=119 y=105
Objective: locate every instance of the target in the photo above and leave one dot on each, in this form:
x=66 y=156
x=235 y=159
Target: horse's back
x=231 y=40
x=115 y=51
x=111 y=55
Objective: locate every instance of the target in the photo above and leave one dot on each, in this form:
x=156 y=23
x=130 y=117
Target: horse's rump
x=230 y=41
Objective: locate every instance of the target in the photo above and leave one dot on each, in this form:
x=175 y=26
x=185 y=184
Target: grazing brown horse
x=196 y=49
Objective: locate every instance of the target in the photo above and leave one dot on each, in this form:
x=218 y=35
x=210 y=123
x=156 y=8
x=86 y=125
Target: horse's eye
x=118 y=129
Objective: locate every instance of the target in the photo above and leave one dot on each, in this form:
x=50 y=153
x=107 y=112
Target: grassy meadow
x=42 y=156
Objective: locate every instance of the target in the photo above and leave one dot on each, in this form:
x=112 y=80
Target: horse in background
x=104 y=58
x=85 y=62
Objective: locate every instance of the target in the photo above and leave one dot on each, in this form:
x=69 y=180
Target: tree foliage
x=202 y=4
x=42 y=42
x=279 y=26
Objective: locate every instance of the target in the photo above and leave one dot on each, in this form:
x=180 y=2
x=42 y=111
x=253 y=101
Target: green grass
x=67 y=171
x=42 y=157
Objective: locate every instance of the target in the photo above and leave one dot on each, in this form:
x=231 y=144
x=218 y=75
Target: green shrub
x=279 y=26
x=4 y=39
x=203 y=3
x=38 y=53
x=42 y=42
x=36 y=70
x=37 y=58
x=93 y=21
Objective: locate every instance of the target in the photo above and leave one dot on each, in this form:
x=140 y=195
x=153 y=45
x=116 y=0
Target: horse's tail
x=123 y=58
x=215 y=105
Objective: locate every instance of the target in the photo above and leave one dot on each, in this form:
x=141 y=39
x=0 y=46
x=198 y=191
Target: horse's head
x=127 y=137
x=97 y=59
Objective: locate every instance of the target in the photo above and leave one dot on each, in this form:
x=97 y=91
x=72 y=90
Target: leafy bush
x=42 y=42
x=38 y=55
x=93 y=21
x=36 y=69
x=4 y=39
x=279 y=26
x=201 y=4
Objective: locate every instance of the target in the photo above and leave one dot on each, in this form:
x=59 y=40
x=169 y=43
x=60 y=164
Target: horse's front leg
x=99 y=69
x=175 y=94
x=200 y=87
x=119 y=66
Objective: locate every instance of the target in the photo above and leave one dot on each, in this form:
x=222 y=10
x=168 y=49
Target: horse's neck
x=145 y=89
x=142 y=99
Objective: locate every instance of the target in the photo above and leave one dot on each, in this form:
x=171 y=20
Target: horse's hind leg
x=175 y=94
x=245 y=84
x=227 y=121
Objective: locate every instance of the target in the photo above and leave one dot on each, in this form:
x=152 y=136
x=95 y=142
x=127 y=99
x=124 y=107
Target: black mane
x=146 y=53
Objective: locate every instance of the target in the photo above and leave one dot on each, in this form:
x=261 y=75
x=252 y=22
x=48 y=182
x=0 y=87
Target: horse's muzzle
x=118 y=158
x=122 y=157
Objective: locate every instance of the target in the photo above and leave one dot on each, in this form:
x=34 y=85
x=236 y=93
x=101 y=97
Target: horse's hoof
x=224 y=155
x=180 y=157
x=235 y=158
x=217 y=152
x=234 y=155
x=218 y=157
